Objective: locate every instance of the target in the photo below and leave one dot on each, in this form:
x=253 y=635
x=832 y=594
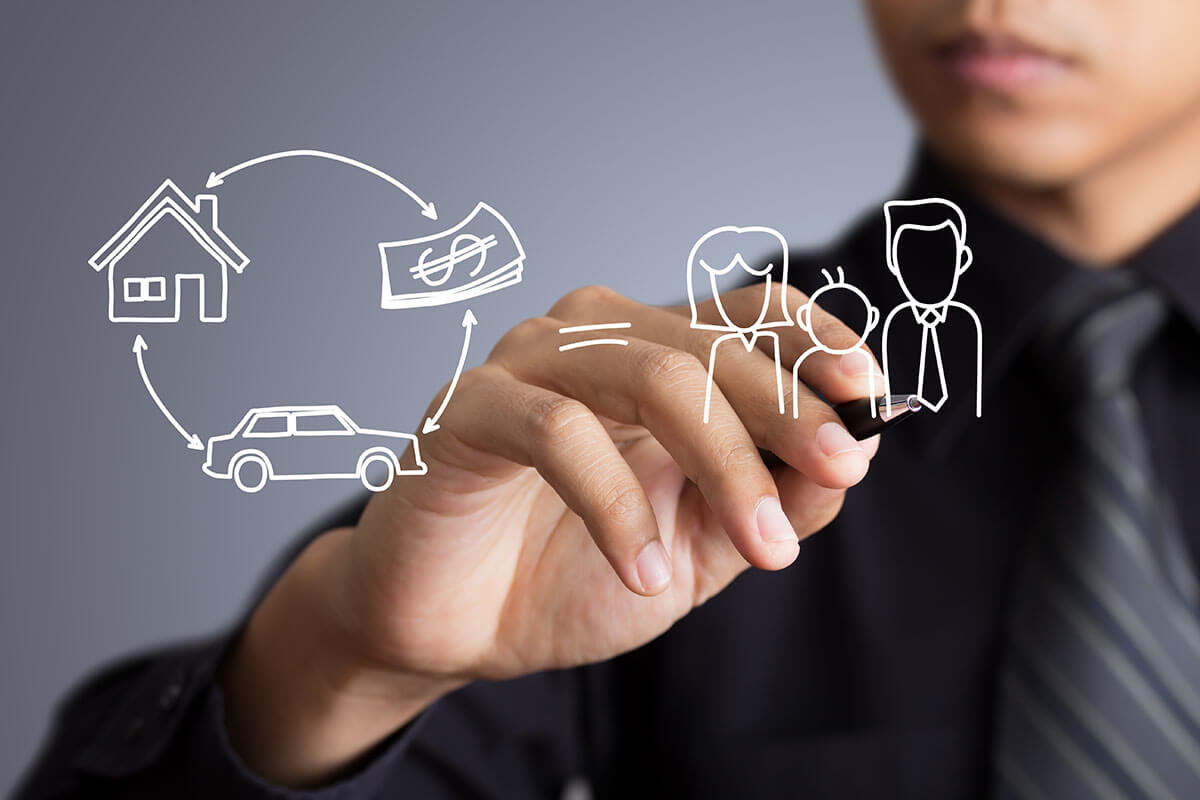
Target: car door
x=322 y=444
x=267 y=432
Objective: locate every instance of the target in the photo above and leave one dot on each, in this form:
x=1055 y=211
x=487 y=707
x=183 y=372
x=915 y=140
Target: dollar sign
x=462 y=248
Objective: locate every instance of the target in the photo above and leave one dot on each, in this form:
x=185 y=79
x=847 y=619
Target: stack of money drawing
x=479 y=255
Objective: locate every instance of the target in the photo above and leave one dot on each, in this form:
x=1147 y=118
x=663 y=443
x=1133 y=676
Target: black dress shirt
x=863 y=670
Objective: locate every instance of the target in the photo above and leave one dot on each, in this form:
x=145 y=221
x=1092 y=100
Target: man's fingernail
x=773 y=524
x=833 y=440
x=856 y=364
x=654 y=567
x=870 y=445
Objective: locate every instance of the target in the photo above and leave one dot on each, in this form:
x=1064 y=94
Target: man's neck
x=1117 y=208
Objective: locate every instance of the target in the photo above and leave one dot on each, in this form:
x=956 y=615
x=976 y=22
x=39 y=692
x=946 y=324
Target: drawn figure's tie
x=931 y=379
x=1098 y=690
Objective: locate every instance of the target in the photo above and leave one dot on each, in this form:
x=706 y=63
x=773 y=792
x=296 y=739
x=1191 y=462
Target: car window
x=319 y=423
x=268 y=425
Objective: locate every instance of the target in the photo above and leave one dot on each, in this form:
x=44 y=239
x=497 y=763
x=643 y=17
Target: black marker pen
x=856 y=416
x=888 y=411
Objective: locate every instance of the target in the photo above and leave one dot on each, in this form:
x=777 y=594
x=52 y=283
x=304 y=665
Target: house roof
x=168 y=199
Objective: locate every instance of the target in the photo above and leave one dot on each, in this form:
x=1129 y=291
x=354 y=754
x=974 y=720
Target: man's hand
x=576 y=506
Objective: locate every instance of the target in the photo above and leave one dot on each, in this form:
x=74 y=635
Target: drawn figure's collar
x=929 y=316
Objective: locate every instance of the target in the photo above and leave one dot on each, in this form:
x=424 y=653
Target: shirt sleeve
x=152 y=726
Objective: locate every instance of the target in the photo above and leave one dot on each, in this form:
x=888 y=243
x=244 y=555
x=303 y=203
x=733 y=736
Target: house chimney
x=207 y=215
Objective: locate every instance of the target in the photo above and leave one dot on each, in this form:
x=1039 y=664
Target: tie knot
x=1091 y=342
x=934 y=315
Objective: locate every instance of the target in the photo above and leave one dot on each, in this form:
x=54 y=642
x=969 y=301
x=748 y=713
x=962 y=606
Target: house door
x=189 y=295
x=194 y=292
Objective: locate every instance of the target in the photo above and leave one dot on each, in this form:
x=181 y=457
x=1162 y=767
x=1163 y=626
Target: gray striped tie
x=1098 y=692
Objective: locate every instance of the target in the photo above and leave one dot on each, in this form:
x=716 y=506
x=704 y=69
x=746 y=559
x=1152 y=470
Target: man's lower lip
x=1002 y=71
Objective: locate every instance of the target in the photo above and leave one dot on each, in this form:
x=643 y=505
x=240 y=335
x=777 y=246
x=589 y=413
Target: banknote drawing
x=479 y=255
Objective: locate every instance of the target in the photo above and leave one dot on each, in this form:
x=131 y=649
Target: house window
x=145 y=290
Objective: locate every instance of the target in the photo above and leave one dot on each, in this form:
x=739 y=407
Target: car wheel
x=250 y=473
x=377 y=472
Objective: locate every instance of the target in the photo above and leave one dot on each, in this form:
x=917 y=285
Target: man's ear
x=967 y=257
x=872 y=319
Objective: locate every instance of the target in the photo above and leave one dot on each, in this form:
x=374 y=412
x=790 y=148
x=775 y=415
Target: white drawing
x=804 y=320
x=600 y=326
x=724 y=246
x=217 y=178
x=431 y=423
x=290 y=443
x=930 y=215
x=483 y=239
x=140 y=347
x=147 y=290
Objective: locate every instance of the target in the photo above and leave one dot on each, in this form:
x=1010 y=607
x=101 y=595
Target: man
x=921 y=266
x=580 y=529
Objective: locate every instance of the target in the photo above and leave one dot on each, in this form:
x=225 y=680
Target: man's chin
x=1037 y=160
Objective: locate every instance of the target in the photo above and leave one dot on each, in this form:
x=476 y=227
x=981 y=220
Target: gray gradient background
x=611 y=134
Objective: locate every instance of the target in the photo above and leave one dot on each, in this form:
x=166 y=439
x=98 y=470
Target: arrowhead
x=139 y=344
x=213 y=180
x=194 y=443
x=469 y=319
x=429 y=211
x=430 y=426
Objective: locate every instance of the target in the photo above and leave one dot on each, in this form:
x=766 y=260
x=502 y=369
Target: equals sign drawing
x=602 y=326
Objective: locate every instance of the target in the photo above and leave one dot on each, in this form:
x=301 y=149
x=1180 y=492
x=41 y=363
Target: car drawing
x=289 y=443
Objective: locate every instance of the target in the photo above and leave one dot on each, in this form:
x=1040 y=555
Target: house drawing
x=147 y=288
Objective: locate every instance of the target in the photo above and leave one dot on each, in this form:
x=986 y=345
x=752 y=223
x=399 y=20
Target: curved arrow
x=468 y=322
x=217 y=178
x=139 y=347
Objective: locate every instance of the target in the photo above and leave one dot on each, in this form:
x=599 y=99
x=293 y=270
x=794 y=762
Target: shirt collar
x=928 y=315
x=1169 y=261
